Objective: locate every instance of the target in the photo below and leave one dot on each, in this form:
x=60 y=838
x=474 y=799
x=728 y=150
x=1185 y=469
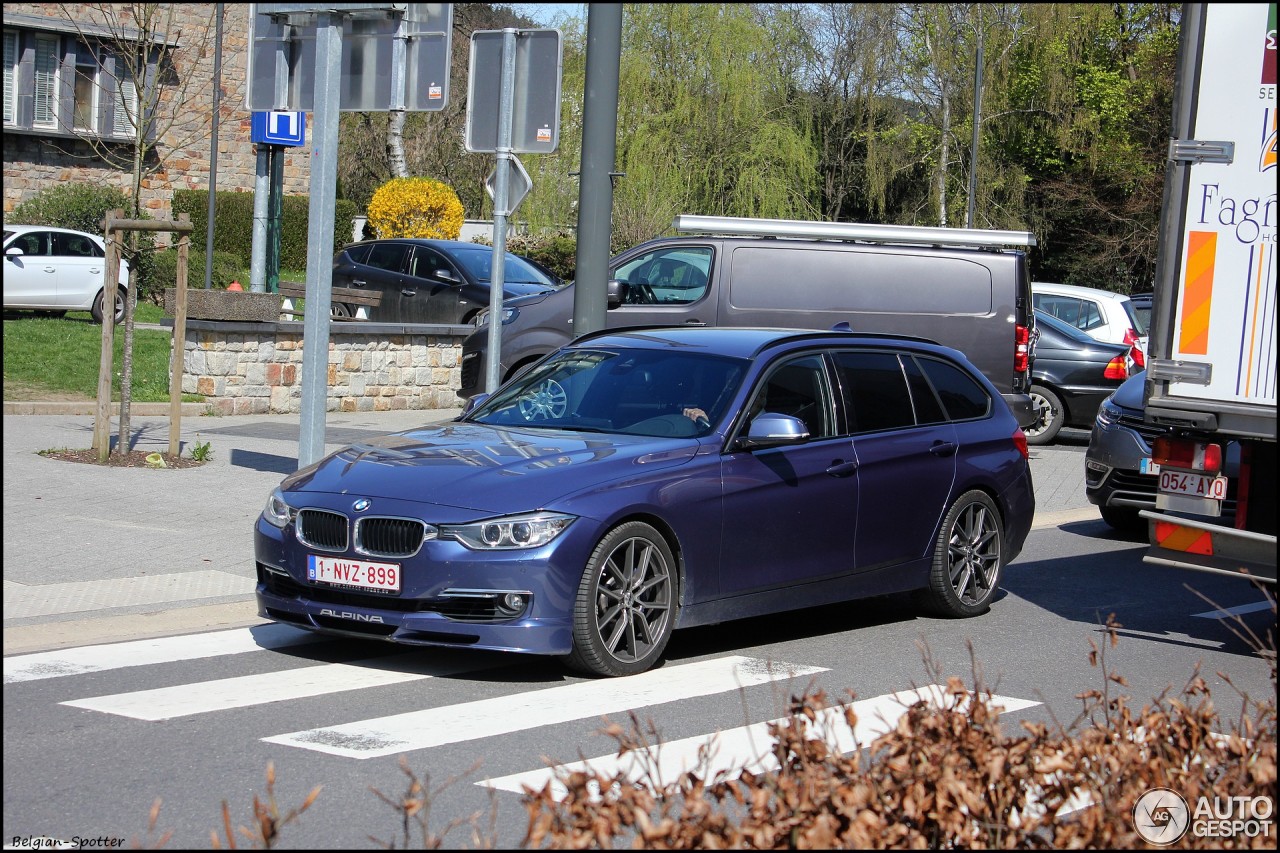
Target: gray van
x=964 y=288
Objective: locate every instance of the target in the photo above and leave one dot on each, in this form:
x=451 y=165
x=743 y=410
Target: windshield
x=654 y=392
x=478 y=262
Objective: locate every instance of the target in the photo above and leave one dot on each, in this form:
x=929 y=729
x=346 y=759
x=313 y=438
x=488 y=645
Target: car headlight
x=277 y=512
x=1108 y=414
x=508 y=314
x=527 y=530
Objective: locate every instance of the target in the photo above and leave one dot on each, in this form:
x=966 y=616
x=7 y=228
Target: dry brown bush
x=946 y=776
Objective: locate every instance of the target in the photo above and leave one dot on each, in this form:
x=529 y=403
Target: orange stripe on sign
x=1197 y=292
x=1175 y=537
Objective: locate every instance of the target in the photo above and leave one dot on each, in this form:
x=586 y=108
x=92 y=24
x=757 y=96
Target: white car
x=1100 y=314
x=58 y=270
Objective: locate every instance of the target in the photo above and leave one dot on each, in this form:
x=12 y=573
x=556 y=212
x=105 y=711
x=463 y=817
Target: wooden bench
x=360 y=300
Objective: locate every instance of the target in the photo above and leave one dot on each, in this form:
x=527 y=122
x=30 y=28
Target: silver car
x=1120 y=477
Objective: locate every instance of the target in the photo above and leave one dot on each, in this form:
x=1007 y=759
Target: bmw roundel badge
x=361 y=505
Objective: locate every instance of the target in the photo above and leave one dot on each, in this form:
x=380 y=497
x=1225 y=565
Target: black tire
x=1123 y=518
x=340 y=310
x=1050 y=416
x=967 y=558
x=96 y=311
x=619 y=630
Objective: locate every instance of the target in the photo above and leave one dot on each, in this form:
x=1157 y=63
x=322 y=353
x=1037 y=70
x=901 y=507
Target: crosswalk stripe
x=109 y=656
x=742 y=748
x=241 y=692
x=522 y=711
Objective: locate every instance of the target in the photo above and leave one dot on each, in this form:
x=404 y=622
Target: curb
x=146 y=410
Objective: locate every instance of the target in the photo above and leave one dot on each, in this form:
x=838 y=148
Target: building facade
x=80 y=78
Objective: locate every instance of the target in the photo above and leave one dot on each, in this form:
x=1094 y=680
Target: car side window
x=32 y=243
x=875 y=391
x=961 y=395
x=798 y=388
x=387 y=256
x=670 y=276
x=75 y=246
x=425 y=263
x=358 y=254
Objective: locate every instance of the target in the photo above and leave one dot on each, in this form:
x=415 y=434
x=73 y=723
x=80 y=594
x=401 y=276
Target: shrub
x=415 y=207
x=233 y=223
x=81 y=207
x=227 y=267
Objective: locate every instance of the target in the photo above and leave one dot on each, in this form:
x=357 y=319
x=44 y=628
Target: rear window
x=961 y=395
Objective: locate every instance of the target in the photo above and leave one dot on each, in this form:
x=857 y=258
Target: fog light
x=513 y=601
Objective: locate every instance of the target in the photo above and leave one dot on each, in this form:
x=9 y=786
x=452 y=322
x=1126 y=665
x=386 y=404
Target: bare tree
x=148 y=71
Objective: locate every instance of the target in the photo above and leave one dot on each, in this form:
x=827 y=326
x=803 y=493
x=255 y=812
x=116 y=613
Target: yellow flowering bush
x=415 y=207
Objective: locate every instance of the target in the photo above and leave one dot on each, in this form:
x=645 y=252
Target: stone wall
x=256 y=368
x=34 y=162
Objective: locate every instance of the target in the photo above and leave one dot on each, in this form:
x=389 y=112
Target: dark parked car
x=430 y=281
x=1142 y=306
x=1119 y=477
x=1071 y=375
x=639 y=481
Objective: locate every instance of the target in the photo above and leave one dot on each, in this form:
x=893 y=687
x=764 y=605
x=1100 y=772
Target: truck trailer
x=1211 y=367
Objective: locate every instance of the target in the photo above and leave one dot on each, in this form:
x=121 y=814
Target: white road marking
x=530 y=709
x=108 y=656
x=185 y=700
x=744 y=748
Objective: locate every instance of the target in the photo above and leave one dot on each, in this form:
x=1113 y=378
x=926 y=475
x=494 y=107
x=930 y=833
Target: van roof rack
x=747 y=227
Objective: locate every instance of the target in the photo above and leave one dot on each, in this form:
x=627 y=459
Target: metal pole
x=213 y=146
x=501 y=195
x=261 y=199
x=599 y=148
x=977 y=124
x=324 y=162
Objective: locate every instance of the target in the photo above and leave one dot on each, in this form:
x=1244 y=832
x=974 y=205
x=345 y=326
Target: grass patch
x=58 y=357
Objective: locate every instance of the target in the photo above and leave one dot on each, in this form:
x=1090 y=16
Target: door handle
x=359 y=282
x=841 y=468
x=943 y=448
x=409 y=291
x=694 y=323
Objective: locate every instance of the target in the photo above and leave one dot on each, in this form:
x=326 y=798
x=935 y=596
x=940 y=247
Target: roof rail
x=742 y=226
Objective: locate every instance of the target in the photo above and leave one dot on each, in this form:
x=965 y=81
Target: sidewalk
x=96 y=554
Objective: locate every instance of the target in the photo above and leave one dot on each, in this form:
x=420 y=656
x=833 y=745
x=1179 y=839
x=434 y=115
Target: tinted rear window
x=961 y=395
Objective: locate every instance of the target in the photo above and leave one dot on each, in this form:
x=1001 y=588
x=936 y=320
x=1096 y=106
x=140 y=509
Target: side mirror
x=12 y=251
x=613 y=294
x=771 y=429
x=448 y=275
x=473 y=404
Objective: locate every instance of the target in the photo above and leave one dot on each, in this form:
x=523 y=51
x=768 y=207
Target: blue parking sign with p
x=278 y=128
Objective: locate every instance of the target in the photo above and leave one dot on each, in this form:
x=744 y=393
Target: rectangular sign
x=535 y=114
x=278 y=128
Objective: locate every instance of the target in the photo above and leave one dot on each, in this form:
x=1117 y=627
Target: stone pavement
x=95 y=554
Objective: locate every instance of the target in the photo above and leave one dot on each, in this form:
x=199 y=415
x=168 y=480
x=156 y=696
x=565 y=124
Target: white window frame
x=54 y=87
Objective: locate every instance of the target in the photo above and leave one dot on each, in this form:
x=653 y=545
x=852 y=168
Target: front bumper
x=450 y=596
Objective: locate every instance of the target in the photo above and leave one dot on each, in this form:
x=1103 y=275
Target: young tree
x=149 y=70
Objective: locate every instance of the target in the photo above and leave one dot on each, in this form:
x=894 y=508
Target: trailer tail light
x=1117 y=368
x=1187 y=455
x=1021 y=349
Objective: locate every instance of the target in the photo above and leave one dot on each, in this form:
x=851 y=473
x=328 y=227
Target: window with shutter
x=46 y=83
x=126 y=102
x=10 y=75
